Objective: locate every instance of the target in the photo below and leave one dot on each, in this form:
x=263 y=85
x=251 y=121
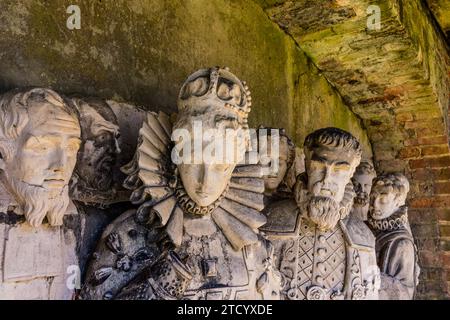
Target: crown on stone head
x=216 y=87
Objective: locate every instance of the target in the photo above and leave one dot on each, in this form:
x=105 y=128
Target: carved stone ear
x=399 y=200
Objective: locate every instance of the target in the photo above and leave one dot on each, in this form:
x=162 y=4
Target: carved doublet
x=318 y=271
x=336 y=264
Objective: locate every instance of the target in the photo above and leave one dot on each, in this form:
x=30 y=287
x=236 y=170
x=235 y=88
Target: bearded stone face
x=40 y=168
x=329 y=172
x=363 y=185
x=99 y=150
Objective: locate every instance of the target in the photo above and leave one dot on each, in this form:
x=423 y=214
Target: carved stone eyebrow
x=316 y=157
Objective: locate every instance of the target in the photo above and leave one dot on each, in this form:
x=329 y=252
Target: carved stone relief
x=39 y=140
x=278 y=185
x=200 y=229
x=92 y=180
x=323 y=253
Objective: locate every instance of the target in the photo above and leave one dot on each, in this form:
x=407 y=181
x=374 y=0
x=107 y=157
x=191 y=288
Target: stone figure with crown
x=324 y=253
x=195 y=234
x=396 y=251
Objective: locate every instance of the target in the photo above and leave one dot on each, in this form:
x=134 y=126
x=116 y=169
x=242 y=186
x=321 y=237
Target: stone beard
x=323 y=211
x=362 y=199
x=37 y=202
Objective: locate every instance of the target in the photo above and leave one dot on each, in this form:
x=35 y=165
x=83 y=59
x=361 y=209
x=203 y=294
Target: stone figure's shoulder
x=282 y=219
x=395 y=237
x=358 y=233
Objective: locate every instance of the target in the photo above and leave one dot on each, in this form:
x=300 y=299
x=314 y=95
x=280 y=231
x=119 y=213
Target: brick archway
x=396 y=79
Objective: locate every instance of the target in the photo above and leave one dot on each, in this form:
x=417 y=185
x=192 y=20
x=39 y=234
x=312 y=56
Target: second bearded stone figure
x=323 y=252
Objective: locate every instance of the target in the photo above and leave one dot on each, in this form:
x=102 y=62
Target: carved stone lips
x=54 y=183
x=201 y=194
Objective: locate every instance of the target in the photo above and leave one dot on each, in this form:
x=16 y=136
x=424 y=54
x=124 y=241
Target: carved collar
x=396 y=221
x=188 y=205
x=154 y=179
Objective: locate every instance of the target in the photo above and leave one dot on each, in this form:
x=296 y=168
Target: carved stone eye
x=198 y=87
x=229 y=91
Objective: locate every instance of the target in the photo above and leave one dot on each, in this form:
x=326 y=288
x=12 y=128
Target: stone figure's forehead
x=363 y=177
x=378 y=188
x=210 y=116
x=46 y=118
x=283 y=147
x=97 y=122
x=332 y=154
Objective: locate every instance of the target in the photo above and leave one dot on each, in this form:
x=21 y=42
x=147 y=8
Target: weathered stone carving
x=39 y=140
x=275 y=184
x=362 y=183
x=195 y=234
x=92 y=181
x=323 y=252
x=396 y=251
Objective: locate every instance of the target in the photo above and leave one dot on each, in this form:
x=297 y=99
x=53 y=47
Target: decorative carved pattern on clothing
x=320 y=263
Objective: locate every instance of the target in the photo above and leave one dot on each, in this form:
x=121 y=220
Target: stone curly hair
x=14 y=112
x=397 y=182
x=365 y=167
x=332 y=137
